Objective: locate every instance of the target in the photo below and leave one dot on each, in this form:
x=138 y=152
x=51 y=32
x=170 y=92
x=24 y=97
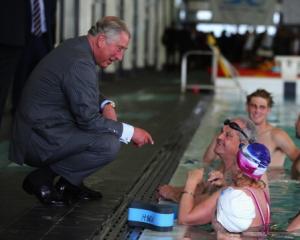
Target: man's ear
x=101 y=40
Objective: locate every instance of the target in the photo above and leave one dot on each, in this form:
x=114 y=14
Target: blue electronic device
x=158 y=217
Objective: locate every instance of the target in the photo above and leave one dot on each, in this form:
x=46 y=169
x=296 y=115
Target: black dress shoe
x=72 y=192
x=44 y=193
x=89 y=194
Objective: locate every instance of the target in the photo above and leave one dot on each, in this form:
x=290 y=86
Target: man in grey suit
x=63 y=125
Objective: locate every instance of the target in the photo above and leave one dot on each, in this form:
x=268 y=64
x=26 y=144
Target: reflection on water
x=285 y=197
x=278 y=174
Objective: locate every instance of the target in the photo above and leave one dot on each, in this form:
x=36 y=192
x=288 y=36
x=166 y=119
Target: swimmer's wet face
x=258 y=109
x=227 y=143
x=236 y=127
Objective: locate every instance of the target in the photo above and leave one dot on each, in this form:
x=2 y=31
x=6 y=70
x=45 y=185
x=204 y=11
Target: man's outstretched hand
x=141 y=137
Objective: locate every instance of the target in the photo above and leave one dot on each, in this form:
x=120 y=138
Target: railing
x=234 y=75
x=184 y=64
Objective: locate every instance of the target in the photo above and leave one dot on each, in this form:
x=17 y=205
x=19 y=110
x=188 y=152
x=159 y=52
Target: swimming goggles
x=236 y=127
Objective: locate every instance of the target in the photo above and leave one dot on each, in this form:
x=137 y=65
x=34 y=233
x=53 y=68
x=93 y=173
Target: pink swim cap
x=253 y=160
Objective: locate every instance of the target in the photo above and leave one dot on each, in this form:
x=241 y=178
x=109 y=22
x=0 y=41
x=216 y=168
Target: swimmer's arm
x=295 y=171
x=285 y=143
x=202 y=213
x=189 y=212
x=173 y=193
x=294 y=225
x=187 y=201
x=210 y=155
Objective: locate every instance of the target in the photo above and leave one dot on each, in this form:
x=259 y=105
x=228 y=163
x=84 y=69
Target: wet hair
x=111 y=26
x=248 y=127
x=241 y=180
x=263 y=94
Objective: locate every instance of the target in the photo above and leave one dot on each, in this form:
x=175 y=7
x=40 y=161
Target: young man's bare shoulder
x=277 y=132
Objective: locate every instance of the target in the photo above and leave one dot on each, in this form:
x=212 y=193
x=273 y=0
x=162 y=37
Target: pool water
x=285 y=193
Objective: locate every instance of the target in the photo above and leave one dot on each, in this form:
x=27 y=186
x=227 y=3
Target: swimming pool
x=285 y=193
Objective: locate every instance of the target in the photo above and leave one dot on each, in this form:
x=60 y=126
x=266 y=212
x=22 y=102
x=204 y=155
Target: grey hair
x=249 y=128
x=111 y=26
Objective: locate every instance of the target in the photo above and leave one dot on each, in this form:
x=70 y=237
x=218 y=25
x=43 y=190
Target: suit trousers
x=82 y=155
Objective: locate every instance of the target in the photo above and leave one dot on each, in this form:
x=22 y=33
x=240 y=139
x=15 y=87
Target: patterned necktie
x=36 y=18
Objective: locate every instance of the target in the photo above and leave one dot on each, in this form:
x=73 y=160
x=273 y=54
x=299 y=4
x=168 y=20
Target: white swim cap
x=235 y=210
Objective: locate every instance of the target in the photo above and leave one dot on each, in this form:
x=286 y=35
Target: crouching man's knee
x=113 y=147
x=107 y=147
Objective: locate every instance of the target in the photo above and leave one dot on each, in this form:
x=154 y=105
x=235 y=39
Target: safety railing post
x=183 y=72
x=184 y=64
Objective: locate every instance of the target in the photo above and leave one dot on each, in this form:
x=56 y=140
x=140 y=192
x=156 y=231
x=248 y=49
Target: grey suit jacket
x=60 y=98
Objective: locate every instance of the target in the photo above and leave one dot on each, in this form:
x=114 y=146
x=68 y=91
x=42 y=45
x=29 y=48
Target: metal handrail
x=214 y=53
x=199 y=53
x=234 y=73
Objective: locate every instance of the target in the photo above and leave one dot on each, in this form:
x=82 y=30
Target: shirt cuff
x=127 y=133
x=103 y=104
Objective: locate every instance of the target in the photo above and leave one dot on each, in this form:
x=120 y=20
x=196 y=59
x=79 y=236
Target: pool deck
x=178 y=124
x=149 y=100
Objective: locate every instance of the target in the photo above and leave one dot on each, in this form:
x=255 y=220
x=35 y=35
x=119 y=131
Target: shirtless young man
x=280 y=145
